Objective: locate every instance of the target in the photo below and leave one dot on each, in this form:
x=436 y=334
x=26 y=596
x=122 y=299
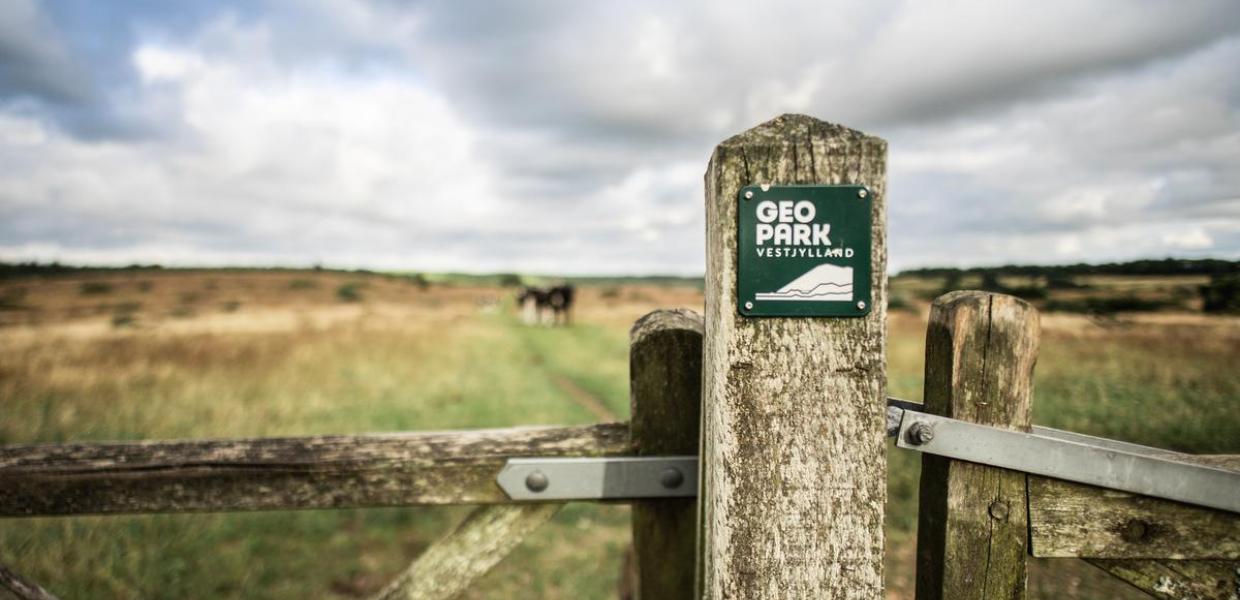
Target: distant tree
x=952 y=281
x=509 y=280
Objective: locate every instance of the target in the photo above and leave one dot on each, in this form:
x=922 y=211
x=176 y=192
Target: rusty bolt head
x=920 y=433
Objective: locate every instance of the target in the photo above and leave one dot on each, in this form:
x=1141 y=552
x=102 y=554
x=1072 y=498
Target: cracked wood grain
x=980 y=353
x=793 y=452
x=1072 y=519
x=665 y=386
x=454 y=467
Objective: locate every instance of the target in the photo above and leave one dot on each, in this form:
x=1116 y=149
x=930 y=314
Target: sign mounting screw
x=861 y=305
x=861 y=193
x=749 y=194
x=749 y=306
x=536 y=481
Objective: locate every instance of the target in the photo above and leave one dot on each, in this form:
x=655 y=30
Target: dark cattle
x=551 y=306
x=560 y=298
x=534 y=303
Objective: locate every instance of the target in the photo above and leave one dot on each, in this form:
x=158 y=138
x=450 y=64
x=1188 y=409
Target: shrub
x=1060 y=281
x=302 y=284
x=509 y=280
x=95 y=288
x=124 y=315
x=899 y=302
x=418 y=280
x=1221 y=295
x=349 y=292
x=1108 y=306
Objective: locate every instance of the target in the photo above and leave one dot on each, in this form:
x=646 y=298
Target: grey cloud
x=1075 y=123
x=34 y=62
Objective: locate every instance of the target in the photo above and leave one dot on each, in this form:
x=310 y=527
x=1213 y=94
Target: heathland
x=149 y=353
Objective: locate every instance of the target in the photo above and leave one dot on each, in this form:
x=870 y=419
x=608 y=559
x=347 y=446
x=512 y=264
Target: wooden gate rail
x=400 y=469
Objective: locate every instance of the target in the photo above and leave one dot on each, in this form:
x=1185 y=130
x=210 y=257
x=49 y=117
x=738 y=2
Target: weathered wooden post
x=665 y=375
x=972 y=522
x=794 y=370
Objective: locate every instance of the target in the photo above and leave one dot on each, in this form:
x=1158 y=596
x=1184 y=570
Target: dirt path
x=583 y=398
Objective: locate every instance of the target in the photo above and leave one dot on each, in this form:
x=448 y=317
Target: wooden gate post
x=793 y=452
x=973 y=520
x=665 y=380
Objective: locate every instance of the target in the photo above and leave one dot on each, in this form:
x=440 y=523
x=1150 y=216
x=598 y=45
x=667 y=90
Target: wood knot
x=1135 y=530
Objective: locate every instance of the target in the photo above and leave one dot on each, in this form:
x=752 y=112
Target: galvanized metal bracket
x=1043 y=451
x=604 y=478
x=1069 y=456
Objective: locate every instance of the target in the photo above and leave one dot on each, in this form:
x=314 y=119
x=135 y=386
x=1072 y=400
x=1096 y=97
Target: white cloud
x=1195 y=238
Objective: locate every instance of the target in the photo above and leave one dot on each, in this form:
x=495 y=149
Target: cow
x=534 y=303
x=560 y=298
x=551 y=306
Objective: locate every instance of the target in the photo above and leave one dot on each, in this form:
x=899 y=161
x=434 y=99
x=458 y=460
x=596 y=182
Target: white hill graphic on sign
x=825 y=282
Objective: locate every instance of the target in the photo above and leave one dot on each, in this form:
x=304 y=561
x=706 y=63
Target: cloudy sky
x=571 y=137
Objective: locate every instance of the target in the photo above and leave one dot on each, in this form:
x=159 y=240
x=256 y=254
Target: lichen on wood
x=793 y=452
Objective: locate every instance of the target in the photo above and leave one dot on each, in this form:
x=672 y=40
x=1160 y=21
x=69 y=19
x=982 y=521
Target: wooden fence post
x=665 y=378
x=793 y=449
x=972 y=522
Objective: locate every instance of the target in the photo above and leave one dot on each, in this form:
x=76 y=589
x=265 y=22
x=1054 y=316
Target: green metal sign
x=803 y=251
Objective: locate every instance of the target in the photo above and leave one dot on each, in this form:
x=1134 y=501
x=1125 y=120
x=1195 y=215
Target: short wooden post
x=665 y=378
x=972 y=522
x=793 y=452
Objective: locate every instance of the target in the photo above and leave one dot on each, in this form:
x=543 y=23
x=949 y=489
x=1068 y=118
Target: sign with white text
x=804 y=251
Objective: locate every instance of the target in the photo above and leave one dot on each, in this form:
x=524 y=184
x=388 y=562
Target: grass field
x=229 y=354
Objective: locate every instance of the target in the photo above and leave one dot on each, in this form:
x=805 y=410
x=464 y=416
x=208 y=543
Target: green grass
x=448 y=368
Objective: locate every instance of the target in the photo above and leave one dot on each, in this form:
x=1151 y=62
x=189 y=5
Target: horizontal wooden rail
x=1070 y=519
x=453 y=467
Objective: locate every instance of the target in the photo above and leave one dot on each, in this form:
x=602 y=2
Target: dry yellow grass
x=208 y=354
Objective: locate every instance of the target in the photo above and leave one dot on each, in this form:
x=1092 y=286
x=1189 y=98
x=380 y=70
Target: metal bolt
x=999 y=510
x=766 y=187
x=920 y=433
x=861 y=193
x=861 y=305
x=672 y=478
x=536 y=481
x=748 y=194
x=749 y=306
